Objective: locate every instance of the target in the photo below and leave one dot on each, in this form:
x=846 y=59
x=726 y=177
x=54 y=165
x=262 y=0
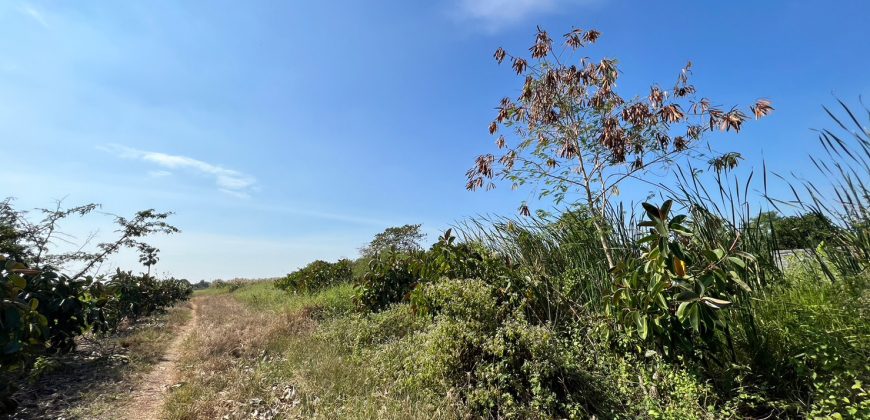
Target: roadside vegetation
x=48 y=309
x=682 y=308
x=94 y=380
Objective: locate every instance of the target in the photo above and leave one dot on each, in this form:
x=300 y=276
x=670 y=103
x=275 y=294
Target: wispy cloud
x=227 y=180
x=159 y=174
x=33 y=13
x=496 y=14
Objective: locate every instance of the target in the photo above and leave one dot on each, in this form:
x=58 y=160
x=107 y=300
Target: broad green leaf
x=678 y=219
x=686 y=296
x=17 y=281
x=737 y=261
x=651 y=211
x=715 y=303
x=666 y=208
x=742 y=284
x=681 y=310
x=641 y=321
x=694 y=317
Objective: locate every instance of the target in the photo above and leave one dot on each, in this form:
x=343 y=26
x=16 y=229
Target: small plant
x=674 y=295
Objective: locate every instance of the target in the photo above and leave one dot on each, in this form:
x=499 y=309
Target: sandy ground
x=146 y=399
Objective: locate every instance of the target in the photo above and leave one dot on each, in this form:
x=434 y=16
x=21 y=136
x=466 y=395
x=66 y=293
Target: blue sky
x=280 y=132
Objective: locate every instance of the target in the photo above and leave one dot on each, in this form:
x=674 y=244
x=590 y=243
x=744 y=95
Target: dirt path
x=146 y=400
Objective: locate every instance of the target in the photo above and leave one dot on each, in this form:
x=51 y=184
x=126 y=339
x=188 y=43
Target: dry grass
x=94 y=380
x=258 y=354
x=220 y=361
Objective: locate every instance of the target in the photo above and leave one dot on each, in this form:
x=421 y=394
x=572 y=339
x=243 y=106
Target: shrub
x=478 y=348
x=674 y=294
x=317 y=276
x=392 y=275
x=42 y=311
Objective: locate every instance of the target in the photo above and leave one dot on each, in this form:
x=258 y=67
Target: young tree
x=402 y=238
x=31 y=241
x=575 y=138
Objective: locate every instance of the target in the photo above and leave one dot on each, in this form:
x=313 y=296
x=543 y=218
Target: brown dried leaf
x=519 y=65
x=762 y=108
x=499 y=55
x=591 y=36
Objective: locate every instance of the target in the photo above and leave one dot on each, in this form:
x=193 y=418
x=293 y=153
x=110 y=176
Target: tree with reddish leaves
x=575 y=138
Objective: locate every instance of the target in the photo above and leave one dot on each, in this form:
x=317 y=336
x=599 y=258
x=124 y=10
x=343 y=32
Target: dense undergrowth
x=44 y=311
x=473 y=353
x=94 y=380
x=45 y=306
x=700 y=316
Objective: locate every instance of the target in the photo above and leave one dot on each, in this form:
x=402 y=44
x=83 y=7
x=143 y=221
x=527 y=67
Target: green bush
x=43 y=311
x=392 y=276
x=476 y=348
x=317 y=276
x=673 y=296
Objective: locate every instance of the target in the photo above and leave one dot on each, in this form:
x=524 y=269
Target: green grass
x=299 y=347
x=264 y=296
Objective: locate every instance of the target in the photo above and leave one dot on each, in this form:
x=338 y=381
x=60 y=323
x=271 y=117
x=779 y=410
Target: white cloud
x=35 y=14
x=495 y=14
x=159 y=174
x=227 y=180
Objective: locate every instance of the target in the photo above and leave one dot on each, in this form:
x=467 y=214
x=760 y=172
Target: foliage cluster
x=405 y=238
x=691 y=317
x=393 y=275
x=317 y=275
x=43 y=309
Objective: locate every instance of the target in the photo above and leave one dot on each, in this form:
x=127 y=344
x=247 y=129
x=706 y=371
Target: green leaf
x=18 y=282
x=686 y=296
x=681 y=310
x=737 y=261
x=666 y=208
x=641 y=322
x=715 y=303
x=694 y=317
x=742 y=284
x=651 y=211
x=682 y=230
x=678 y=251
x=676 y=220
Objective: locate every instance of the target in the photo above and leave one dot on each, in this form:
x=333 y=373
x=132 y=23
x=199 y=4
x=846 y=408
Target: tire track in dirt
x=147 y=398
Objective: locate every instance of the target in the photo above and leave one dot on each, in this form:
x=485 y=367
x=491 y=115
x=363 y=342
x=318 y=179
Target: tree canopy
x=796 y=232
x=400 y=238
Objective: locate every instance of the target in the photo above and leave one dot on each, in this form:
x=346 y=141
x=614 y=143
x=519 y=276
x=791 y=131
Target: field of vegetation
x=681 y=307
x=67 y=338
x=718 y=301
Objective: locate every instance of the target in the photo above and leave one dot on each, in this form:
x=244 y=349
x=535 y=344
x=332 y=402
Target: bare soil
x=97 y=379
x=146 y=399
